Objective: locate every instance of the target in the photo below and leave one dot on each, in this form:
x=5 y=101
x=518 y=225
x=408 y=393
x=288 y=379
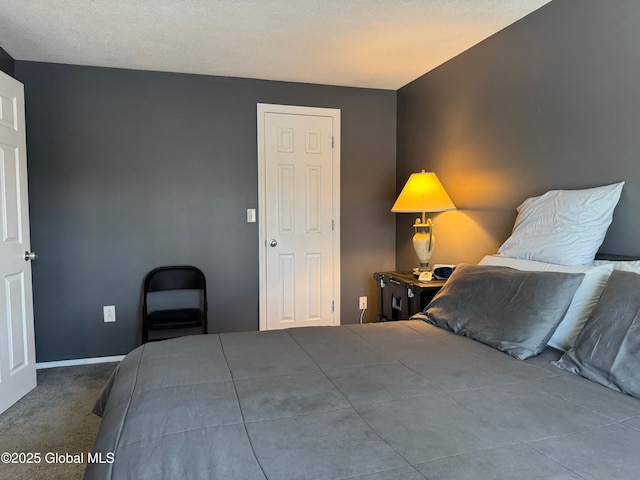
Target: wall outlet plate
x=109 y=313
x=363 y=303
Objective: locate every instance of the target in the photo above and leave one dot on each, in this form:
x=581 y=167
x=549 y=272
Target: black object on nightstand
x=400 y=295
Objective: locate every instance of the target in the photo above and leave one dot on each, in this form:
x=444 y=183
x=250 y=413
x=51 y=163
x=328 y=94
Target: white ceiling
x=361 y=43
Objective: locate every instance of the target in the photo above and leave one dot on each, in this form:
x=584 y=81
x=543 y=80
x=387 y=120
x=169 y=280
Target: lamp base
x=423 y=242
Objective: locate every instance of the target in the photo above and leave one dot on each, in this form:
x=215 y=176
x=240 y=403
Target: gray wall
x=550 y=102
x=129 y=170
x=7 y=64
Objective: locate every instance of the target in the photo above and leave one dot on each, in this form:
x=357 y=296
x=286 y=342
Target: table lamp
x=423 y=193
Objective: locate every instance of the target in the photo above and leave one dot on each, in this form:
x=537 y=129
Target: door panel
x=17 y=342
x=17 y=334
x=300 y=276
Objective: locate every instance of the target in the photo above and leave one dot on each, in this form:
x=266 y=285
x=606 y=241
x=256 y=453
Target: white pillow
x=624 y=265
x=563 y=226
x=584 y=300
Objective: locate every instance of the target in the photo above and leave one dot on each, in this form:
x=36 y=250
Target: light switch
x=251 y=215
x=109 y=313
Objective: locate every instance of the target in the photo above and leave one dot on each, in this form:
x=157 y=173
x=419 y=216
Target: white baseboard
x=79 y=361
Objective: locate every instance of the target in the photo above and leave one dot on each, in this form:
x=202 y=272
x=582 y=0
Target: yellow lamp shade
x=423 y=192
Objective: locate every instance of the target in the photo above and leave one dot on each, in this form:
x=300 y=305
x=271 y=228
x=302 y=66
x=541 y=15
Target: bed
x=379 y=401
x=517 y=369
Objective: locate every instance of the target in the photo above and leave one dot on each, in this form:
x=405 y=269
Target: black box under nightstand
x=400 y=295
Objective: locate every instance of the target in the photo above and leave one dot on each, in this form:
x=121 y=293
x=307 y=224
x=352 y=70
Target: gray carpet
x=55 y=417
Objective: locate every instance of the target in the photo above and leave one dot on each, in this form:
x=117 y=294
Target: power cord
x=362 y=314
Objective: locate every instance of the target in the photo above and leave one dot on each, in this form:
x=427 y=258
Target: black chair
x=165 y=279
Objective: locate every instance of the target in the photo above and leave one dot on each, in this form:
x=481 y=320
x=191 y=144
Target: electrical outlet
x=363 y=303
x=109 y=313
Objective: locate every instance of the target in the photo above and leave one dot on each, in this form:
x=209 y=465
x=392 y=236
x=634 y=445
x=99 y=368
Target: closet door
x=300 y=228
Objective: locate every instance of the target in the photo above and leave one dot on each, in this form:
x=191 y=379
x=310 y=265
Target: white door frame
x=263 y=109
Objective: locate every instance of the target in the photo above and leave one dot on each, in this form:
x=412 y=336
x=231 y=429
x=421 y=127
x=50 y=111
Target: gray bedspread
x=401 y=400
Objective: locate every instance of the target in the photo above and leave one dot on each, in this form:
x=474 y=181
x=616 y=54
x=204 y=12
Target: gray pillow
x=512 y=310
x=607 y=350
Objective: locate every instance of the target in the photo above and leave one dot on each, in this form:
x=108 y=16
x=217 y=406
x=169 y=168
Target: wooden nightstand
x=400 y=295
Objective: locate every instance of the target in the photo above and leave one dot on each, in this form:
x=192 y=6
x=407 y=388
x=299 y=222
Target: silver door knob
x=30 y=256
x=273 y=242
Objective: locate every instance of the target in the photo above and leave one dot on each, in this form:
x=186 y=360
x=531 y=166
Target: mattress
x=397 y=400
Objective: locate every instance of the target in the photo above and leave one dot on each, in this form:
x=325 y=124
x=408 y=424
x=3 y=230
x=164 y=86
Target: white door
x=299 y=169
x=17 y=344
